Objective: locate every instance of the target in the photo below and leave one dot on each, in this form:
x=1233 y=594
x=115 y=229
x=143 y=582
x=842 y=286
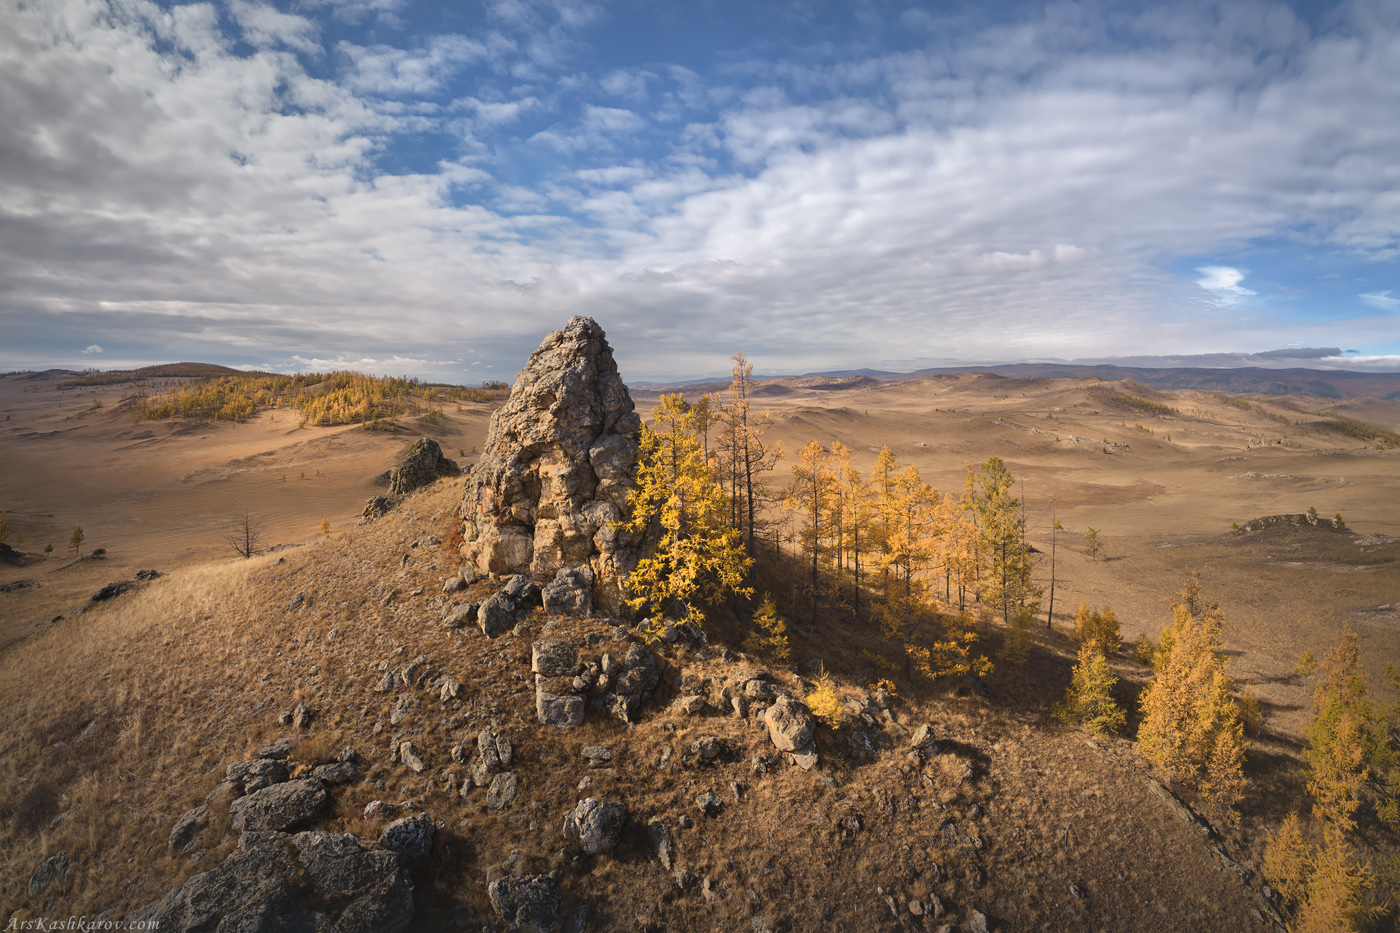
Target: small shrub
x=878 y=661
x=1250 y=712
x=1144 y=649
x=1089 y=701
x=770 y=631
x=1100 y=629
x=1017 y=644
x=886 y=685
x=825 y=701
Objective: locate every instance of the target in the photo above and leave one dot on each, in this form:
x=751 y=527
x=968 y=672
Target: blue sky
x=428 y=189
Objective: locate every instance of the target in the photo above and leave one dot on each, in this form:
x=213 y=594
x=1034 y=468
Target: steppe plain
x=1163 y=490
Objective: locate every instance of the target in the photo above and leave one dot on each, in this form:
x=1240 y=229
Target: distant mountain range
x=1322 y=383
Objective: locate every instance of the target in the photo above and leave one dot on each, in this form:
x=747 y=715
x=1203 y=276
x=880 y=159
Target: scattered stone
x=595 y=825
x=338 y=772
x=378 y=811
x=451 y=689
x=977 y=923
x=661 y=842
x=247 y=777
x=453 y=584
x=933 y=905
x=376 y=506
x=789 y=723
x=707 y=747
x=279 y=808
x=301 y=717
x=111 y=591
x=149 y=575
x=502 y=791
x=47 y=872
x=527 y=903
x=563 y=710
x=916 y=909
x=691 y=705
x=597 y=755
x=496 y=616
x=420 y=465
x=410 y=756
x=554 y=657
x=686 y=822
x=277 y=750
x=461 y=617
x=708 y=803
x=410 y=838
x=390 y=681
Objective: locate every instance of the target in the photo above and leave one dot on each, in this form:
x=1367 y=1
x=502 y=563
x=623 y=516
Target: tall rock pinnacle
x=560 y=459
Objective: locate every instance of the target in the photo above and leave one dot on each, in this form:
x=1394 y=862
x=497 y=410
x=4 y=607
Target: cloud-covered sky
x=824 y=184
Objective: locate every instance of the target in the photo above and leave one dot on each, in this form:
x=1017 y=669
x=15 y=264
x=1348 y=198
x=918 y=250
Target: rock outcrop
x=559 y=461
x=311 y=881
x=420 y=465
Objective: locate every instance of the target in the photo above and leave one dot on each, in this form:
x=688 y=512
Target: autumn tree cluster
x=700 y=495
x=892 y=549
x=1353 y=756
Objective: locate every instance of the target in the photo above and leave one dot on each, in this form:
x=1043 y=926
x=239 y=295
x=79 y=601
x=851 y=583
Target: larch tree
x=746 y=456
x=911 y=520
x=998 y=514
x=813 y=484
x=1191 y=726
x=856 y=494
x=698 y=557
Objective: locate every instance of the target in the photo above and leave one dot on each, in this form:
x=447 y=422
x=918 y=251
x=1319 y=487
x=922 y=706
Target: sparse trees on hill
x=1191 y=727
x=698 y=558
x=75 y=542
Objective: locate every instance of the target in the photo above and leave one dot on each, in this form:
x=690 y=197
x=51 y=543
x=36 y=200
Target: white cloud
x=94 y=348
x=385 y=69
x=1381 y=300
x=1013 y=192
x=1224 y=283
x=265 y=26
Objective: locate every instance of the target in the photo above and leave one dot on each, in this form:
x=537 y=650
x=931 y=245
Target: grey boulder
x=596 y=825
x=279 y=808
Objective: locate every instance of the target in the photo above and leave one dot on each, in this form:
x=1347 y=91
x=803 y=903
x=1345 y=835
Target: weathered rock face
x=560 y=459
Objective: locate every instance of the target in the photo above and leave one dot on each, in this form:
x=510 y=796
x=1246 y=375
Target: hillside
x=184 y=676
x=367 y=638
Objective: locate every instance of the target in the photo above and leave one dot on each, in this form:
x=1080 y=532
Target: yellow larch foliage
x=1191 y=727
